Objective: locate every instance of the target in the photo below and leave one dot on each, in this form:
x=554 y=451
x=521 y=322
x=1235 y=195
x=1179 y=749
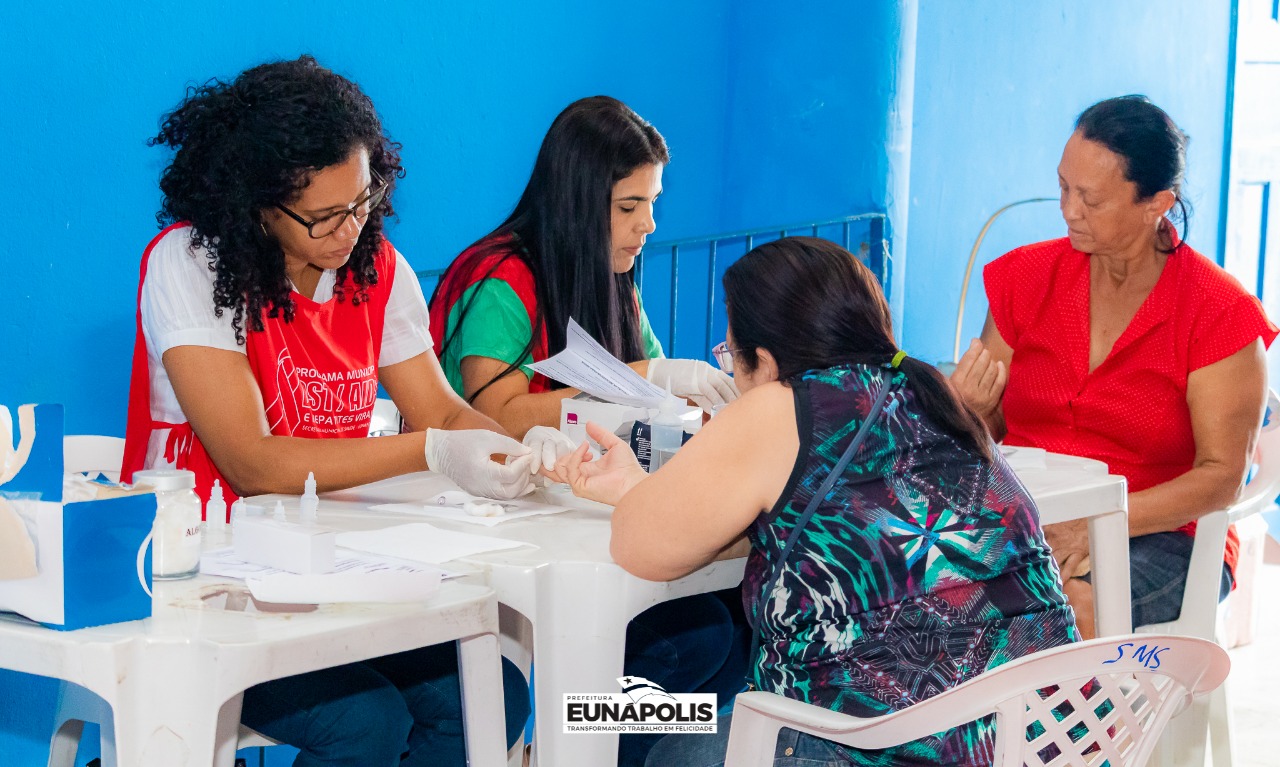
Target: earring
x=263 y=227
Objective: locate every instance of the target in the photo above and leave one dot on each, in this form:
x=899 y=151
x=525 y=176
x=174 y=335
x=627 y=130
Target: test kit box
x=576 y=411
x=295 y=548
x=68 y=565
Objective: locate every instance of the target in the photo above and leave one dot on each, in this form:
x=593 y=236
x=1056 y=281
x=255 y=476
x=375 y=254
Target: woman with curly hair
x=269 y=310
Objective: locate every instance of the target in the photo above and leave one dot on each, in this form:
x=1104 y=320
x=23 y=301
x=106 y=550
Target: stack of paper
x=585 y=364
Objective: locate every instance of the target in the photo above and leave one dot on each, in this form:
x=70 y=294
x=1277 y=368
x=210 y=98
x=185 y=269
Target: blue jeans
x=794 y=749
x=1158 y=575
x=403 y=709
x=685 y=645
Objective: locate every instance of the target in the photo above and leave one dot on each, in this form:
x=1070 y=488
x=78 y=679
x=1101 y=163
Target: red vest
x=318 y=374
x=496 y=258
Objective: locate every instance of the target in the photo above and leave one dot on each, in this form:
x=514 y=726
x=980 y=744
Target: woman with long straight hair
x=893 y=553
x=567 y=251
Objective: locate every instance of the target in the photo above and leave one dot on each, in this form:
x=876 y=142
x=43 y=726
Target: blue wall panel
x=998 y=87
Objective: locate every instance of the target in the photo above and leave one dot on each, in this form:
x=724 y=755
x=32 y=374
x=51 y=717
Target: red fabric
x=493 y=258
x=318 y=375
x=1131 y=411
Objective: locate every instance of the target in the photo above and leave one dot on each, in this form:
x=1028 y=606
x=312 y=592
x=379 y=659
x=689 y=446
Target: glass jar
x=175 y=537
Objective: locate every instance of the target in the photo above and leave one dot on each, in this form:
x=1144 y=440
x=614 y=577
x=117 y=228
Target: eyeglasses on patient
x=326 y=225
x=724 y=356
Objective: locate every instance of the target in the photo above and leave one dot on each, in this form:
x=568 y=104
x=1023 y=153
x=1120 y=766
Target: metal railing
x=870 y=232
x=874 y=248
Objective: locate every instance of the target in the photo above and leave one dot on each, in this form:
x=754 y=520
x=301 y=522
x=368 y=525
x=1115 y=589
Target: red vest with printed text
x=318 y=374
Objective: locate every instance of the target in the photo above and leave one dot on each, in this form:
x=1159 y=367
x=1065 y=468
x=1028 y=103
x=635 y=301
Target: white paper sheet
x=585 y=364
x=384 y=586
x=1024 y=458
x=223 y=563
x=420 y=542
x=518 y=509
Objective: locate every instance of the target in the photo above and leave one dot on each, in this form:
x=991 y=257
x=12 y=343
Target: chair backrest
x=1199 y=613
x=1112 y=715
x=1090 y=703
x=385 y=419
x=86 y=452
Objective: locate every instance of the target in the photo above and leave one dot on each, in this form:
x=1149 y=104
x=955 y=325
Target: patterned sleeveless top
x=922 y=568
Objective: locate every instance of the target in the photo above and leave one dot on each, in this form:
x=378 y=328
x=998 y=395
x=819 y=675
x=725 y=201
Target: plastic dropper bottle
x=666 y=433
x=309 y=503
x=215 y=518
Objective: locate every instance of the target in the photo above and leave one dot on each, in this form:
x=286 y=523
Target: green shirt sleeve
x=652 y=346
x=496 y=326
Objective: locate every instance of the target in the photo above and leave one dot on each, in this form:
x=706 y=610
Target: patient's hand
x=1070 y=544
x=979 y=379
x=606 y=479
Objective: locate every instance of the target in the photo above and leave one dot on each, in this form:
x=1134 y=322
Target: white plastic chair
x=1146 y=678
x=90 y=452
x=76 y=705
x=1184 y=745
x=385 y=419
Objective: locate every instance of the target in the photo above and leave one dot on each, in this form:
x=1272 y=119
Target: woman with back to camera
x=923 y=564
x=1121 y=343
x=567 y=251
x=270 y=308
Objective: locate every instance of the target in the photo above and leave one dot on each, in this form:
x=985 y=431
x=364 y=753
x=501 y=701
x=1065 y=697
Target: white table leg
x=159 y=727
x=483 y=713
x=1109 y=554
x=579 y=653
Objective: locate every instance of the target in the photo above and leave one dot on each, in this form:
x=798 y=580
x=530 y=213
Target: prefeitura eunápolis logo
x=642 y=706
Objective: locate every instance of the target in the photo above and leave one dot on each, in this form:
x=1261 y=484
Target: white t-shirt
x=177 y=310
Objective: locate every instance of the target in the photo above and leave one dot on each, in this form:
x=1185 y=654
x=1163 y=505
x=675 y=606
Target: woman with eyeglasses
x=269 y=310
x=893 y=553
x=567 y=251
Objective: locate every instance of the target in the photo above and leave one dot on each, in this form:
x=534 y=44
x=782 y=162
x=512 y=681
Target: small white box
x=289 y=546
x=576 y=411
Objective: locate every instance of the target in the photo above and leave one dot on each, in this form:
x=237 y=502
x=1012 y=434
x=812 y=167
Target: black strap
x=823 y=490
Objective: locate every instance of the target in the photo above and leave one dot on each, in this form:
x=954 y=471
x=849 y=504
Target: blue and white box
x=66 y=565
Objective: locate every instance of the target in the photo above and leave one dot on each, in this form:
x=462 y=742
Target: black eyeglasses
x=327 y=225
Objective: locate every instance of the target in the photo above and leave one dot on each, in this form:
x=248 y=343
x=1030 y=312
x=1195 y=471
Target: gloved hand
x=463 y=456
x=694 y=379
x=548 y=445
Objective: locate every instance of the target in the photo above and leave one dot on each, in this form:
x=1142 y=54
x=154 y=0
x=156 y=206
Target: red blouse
x=1131 y=411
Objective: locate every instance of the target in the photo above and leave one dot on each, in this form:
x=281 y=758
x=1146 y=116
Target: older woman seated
x=893 y=553
x=1121 y=343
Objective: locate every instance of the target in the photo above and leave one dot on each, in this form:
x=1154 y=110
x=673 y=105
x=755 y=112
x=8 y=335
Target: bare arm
x=425 y=400
x=221 y=399
x=508 y=400
x=1226 y=400
x=703 y=499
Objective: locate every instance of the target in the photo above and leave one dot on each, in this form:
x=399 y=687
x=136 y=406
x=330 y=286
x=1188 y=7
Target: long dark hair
x=244 y=146
x=561 y=228
x=1152 y=146
x=813 y=306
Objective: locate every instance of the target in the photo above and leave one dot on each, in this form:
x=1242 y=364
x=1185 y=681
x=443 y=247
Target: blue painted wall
x=772 y=117
x=765 y=126
x=998 y=87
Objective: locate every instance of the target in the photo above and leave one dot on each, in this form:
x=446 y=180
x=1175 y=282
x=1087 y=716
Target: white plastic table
x=175 y=680
x=579 y=602
x=1070 y=488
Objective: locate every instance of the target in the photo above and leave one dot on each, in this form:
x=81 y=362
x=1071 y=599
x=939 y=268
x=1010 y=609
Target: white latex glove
x=463 y=456
x=548 y=445
x=694 y=379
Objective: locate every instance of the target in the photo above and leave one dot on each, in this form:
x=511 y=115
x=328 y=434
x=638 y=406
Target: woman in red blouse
x=1121 y=343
